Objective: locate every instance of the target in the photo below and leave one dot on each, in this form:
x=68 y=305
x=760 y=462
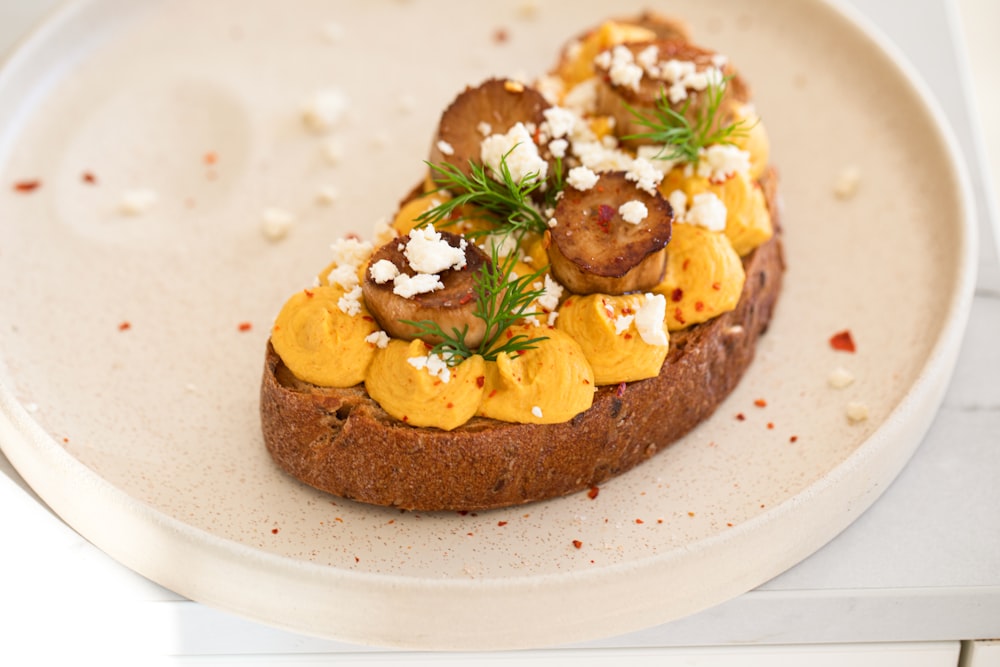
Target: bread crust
x=342 y=442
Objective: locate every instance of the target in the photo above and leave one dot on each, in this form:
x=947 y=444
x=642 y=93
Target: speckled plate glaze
x=132 y=346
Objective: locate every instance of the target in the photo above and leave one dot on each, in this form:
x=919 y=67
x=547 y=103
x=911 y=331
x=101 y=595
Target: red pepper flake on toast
x=843 y=341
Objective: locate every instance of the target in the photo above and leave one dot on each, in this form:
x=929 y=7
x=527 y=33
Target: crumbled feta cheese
x=383 y=271
x=537 y=411
x=549 y=300
x=348 y=255
x=350 y=303
x=596 y=156
x=559 y=122
x=276 y=222
x=581 y=178
x=484 y=128
x=552 y=318
x=445 y=147
x=428 y=252
x=327 y=194
x=857 y=412
x=504 y=244
x=622 y=323
x=434 y=364
x=324 y=109
x=720 y=161
x=408 y=286
x=621 y=66
x=840 y=377
x=648 y=58
x=678 y=201
x=552 y=222
x=522 y=158
x=644 y=174
x=333 y=150
x=558 y=148
x=378 y=338
x=137 y=202
x=649 y=319
x=708 y=211
x=633 y=211
x=582 y=98
x=847 y=182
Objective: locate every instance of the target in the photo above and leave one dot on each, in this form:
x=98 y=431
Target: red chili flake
x=244 y=326
x=65 y=440
x=605 y=213
x=88 y=177
x=770 y=425
x=357 y=560
x=309 y=293
x=500 y=35
x=466 y=298
x=450 y=405
x=640 y=521
x=368 y=318
x=627 y=336
x=592 y=493
x=729 y=523
x=760 y=403
x=677 y=294
x=685 y=265
x=699 y=306
x=274 y=531
x=691 y=514
x=577 y=543
x=679 y=316
x=586 y=381
x=406 y=418
x=794 y=438
x=740 y=416
x=567 y=302
x=659 y=521
x=842 y=341
x=210 y=158
x=621 y=390
x=27 y=186
x=510 y=334
x=717 y=286
x=480 y=381
x=125 y=326
x=492 y=393
x=501 y=523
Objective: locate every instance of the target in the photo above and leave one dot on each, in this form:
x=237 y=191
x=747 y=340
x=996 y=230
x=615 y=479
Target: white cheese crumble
x=552 y=292
x=350 y=303
x=581 y=178
x=137 y=202
x=408 y=286
x=644 y=174
x=847 y=182
x=433 y=364
x=484 y=128
x=857 y=412
x=621 y=66
x=327 y=194
x=706 y=210
x=383 y=271
x=348 y=255
x=582 y=98
x=521 y=153
x=379 y=339
x=445 y=147
x=622 y=323
x=558 y=147
x=504 y=244
x=276 y=223
x=840 y=377
x=537 y=411
x=324 y=109
x=428 y=252
x=649 y=319
x=720 y=161
x=633 y=211
x=559 y=122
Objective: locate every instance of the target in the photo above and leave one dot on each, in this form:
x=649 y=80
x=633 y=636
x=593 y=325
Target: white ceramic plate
x=145 y=438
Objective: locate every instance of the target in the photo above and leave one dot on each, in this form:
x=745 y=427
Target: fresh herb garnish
x=505 y=202
x=501 y=300
x=681 y=138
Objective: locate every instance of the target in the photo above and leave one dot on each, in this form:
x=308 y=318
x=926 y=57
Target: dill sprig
x=501 y=300
x=681 y=138
x=505 y=202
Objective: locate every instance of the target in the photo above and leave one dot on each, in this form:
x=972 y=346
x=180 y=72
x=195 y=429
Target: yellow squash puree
x=578 y=64
x=748 y=223
x=704 y=276
x=615 y=356
x=414 y=396
x=753 y=140
x=549 y=384
x=321 y=344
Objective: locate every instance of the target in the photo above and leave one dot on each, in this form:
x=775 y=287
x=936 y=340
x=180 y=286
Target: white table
x=913 y=577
